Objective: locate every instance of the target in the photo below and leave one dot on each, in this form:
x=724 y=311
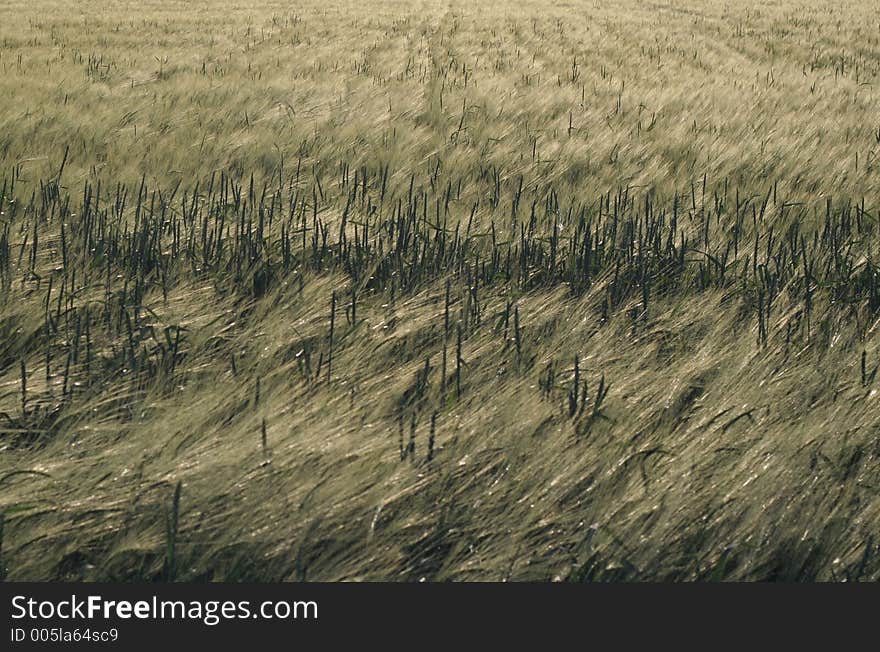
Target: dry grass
x=639 y=239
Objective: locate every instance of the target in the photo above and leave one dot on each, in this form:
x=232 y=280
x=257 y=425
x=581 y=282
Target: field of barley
x=388 y=290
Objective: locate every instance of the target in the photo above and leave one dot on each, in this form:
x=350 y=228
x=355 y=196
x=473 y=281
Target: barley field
x=387 y=290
